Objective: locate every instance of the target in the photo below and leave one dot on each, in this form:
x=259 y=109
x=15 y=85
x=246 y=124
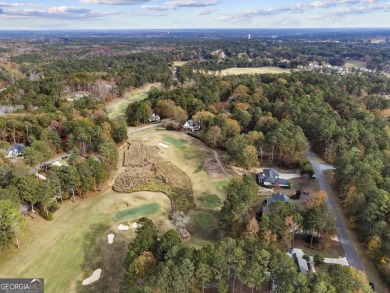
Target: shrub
x=306 y=257
x=171 y=125
x=306 y=168
x=318 y=259
x=53 y=207
x=47 y=215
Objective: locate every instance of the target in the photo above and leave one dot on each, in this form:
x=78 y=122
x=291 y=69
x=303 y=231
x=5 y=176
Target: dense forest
x=274 y=117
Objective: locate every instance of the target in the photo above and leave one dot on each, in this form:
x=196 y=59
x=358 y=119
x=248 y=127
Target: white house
x=154 y=118
x=191 y=125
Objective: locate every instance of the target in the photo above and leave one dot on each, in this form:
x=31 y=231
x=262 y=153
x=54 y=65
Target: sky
x=171 y=14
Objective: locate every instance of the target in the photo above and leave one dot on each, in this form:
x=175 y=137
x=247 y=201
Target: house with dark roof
x=15 y=150
x=270 y=178
x=278 y=196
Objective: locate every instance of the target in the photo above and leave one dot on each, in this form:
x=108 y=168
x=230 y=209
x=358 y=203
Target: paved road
x=143 y=128
x=319 y=167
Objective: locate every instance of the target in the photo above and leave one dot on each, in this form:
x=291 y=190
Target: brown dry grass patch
x=143 y=171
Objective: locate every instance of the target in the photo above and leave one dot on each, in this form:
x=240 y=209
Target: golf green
x=141 y=211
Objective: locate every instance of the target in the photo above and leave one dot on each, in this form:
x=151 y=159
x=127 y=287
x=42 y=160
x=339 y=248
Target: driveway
x=319 y=167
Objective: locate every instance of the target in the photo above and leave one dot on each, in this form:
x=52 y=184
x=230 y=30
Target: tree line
x=166 y=265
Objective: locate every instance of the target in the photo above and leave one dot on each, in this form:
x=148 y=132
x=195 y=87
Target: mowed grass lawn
x=66 y=250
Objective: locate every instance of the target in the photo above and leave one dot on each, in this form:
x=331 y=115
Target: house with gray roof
x=270 y=178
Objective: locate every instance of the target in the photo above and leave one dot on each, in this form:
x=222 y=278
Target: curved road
x=319 y=167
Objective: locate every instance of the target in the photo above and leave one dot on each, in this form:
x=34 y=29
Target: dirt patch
x=213 y=168
x=143 y=171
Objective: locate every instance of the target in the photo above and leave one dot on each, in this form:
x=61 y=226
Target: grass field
x=355 y=63
x=117 y=108
x=268 y=69
x=212 y=201
x=179 y=63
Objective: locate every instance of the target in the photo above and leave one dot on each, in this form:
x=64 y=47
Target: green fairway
x=205 y=220
x=65 y=250
x=212 y=201
x=177 y=143
x=117 y=108
x=138 y=212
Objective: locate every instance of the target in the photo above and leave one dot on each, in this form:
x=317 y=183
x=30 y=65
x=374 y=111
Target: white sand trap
x=123 y=227
x=110 y=238
x=163 y=145
x=93 y=278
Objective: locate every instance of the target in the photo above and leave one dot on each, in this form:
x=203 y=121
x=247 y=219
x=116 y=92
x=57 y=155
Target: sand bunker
x=93 y=278
x=123 y=227
x=110 y=238
x=163 y=145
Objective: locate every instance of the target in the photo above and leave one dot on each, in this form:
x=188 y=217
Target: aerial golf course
x=70 y=248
